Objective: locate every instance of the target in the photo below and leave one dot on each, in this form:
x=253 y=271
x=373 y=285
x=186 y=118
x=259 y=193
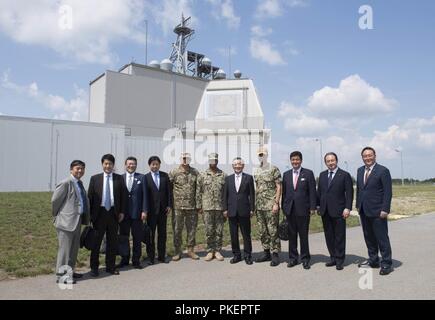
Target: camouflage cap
x=262 y=150
x=213 y=156
x=186 y=155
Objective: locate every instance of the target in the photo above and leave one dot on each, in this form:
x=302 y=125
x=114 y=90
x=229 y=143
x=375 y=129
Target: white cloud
x=73 y=109
x=354 y=96
x=259 y=31
x=268 y=8
x=263 y=50
x=276 y=8
x=297 y=122
x=85 y=32
x=224 y=10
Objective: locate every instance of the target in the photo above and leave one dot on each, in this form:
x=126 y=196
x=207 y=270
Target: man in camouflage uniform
x=183 y=180
x=209 y=197
x=268 y=193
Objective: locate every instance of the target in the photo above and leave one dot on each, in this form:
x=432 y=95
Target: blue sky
x=317 y=73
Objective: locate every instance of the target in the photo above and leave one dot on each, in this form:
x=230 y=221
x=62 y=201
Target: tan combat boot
x=218 y=256
x=192 y=254
x=176 y=257
x=209 y=256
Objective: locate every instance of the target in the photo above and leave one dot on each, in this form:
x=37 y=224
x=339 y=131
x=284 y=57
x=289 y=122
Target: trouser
x=136 y=228
x=214 y=222
x=105 y=224
x=335 y=236
x=157 y=222
x=376 y=237
x=181 y=218
x=69 y=243
x=245 y=228
x=298 y=225
x=268 y=226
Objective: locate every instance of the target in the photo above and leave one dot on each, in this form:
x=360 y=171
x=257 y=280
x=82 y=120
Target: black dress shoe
x=235 y=259
x=306 y=265
x=385 y=270
x=137 y=266
x=275 y=260
x=339 y=267
x=368 y=263
x=162 y=260
x=94 y=273
x=265 y=256
x=122 y=265
x=248 y=260
x=77 y=275
x=292 y=263
x=113 y=271
x=151 y=262
x=330 y=263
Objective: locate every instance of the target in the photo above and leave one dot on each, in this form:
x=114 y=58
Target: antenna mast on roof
x=179 y=53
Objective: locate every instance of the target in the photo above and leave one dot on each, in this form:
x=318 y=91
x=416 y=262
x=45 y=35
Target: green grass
x=28 y=242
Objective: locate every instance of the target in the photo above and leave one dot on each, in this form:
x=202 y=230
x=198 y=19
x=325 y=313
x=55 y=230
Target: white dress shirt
x=127 y=177
x=78 y=192
x=238 y=180
x=112 y=199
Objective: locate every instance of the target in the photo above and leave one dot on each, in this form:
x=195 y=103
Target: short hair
x=108 y=157
x=154 y=158
x=237 y=159
x=131 y=158
x=76 y=163
x=330 y=154
x=296 y=154
x=368 y=148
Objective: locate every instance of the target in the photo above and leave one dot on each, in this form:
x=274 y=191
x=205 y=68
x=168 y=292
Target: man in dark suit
x=335 y=196
x=373 y=201
x=298 y=202
x=159 y=195
x=136 y=212
x=239 y=206
x=108 y=202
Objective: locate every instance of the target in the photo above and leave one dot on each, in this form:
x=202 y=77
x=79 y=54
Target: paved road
x=413 y=243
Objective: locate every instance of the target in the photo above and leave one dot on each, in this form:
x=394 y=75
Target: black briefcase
x=88 y=238
x=283 y=229
x=146 y=234
x=123 y=245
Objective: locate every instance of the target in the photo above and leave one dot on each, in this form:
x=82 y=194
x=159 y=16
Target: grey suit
x=68 y=220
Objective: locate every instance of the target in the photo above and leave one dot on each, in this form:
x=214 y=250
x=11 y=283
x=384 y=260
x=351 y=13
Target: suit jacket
x=304 y=198
x=239 y=203
x=338 y=196
x=137 y=197
x=158 y=199
x=375 y=196
x=65 y=204
x=95 y=195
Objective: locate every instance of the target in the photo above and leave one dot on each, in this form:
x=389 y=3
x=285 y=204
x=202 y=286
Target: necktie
x=130 y=182
x=107 y=200
x=330 y=178
x=366 y=176
x=83 y=196
x=295 y=179
x=156 y=179
x=237 y=183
